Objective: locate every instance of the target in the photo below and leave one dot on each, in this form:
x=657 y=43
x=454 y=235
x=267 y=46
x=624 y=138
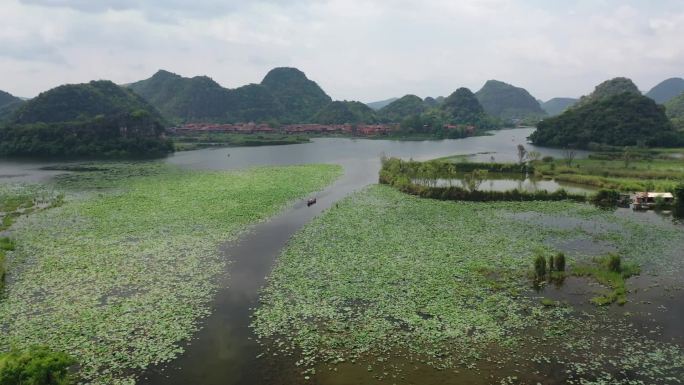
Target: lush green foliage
x=508 y=102
x=626 y=119
x=300 y=97
x=461 y=110
x=120 y=276
x=385 y=274
x=667 y=90
x=94 y=119
x=345 y=112
x=557 y=106
x=400 y=109
x=675 y=111
x=35 y=366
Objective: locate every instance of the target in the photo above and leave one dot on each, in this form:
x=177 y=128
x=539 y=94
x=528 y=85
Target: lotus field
x=385 y=277
x=124 y=269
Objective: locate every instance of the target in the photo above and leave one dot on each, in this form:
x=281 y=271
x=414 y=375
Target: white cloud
x=355 y=49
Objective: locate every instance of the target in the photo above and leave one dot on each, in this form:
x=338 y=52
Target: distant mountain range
x=102 y=118
x=285 y=95
x=615 y=114
x=556 y=106
x=380 y=104
x=666 y=90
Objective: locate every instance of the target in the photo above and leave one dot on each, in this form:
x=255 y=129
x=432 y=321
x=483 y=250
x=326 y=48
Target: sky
x=363 y=50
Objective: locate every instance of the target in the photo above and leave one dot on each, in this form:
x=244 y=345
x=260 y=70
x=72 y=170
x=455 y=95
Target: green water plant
x=35 y=366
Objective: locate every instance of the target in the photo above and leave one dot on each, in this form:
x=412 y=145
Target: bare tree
x=569 y=156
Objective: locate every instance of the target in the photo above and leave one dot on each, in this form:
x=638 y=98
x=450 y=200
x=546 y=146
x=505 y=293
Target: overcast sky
x=355 y=49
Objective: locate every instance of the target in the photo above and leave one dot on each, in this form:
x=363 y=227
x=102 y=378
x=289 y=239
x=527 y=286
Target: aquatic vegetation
x=385 y=275
x=118 y=277
x=611 y=272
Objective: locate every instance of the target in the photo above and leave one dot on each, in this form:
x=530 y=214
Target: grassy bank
x=206 y=140
x=121 y=273
x=638 y=171
x=385 y=275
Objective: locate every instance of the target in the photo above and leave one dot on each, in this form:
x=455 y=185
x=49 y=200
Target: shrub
x=614 y=262
x=559 y=261
x=36 y=366
x=539 y=267
x=547 y=159
x=551 y=264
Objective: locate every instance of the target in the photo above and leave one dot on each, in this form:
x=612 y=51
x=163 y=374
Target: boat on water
x=650 y=200
x=311 y=201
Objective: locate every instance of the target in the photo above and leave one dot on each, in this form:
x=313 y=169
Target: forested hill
x=97 y=118
x=285 y=95
x=341 y=112
x=608 y=89
x=624 y=119
x=403 y=108
x=556 y=106
x=667 y=90
x=8 y=104
x=508 y=102
x=300 y=97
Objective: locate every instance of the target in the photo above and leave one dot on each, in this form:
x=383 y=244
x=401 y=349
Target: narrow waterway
x=225 y=351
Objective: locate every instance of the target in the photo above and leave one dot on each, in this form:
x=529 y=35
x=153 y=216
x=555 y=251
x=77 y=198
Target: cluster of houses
x=253 y=128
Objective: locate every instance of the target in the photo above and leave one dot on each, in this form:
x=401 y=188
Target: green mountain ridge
x=96 y=118
x=507 y=102
x=666 y=90
x=556 y=106
x=380 y=103
x=300 y=97
x=343 y=112
x=285 y=95
x=402 y=108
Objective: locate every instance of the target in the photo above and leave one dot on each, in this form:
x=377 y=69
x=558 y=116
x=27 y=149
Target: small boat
x=311 y=202
x=651 y=200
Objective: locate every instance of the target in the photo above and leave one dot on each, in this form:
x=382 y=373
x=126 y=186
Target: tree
x=534 y=156
x=569 y=156
x=36 y=366
x=472 y=181
x=522 y=154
